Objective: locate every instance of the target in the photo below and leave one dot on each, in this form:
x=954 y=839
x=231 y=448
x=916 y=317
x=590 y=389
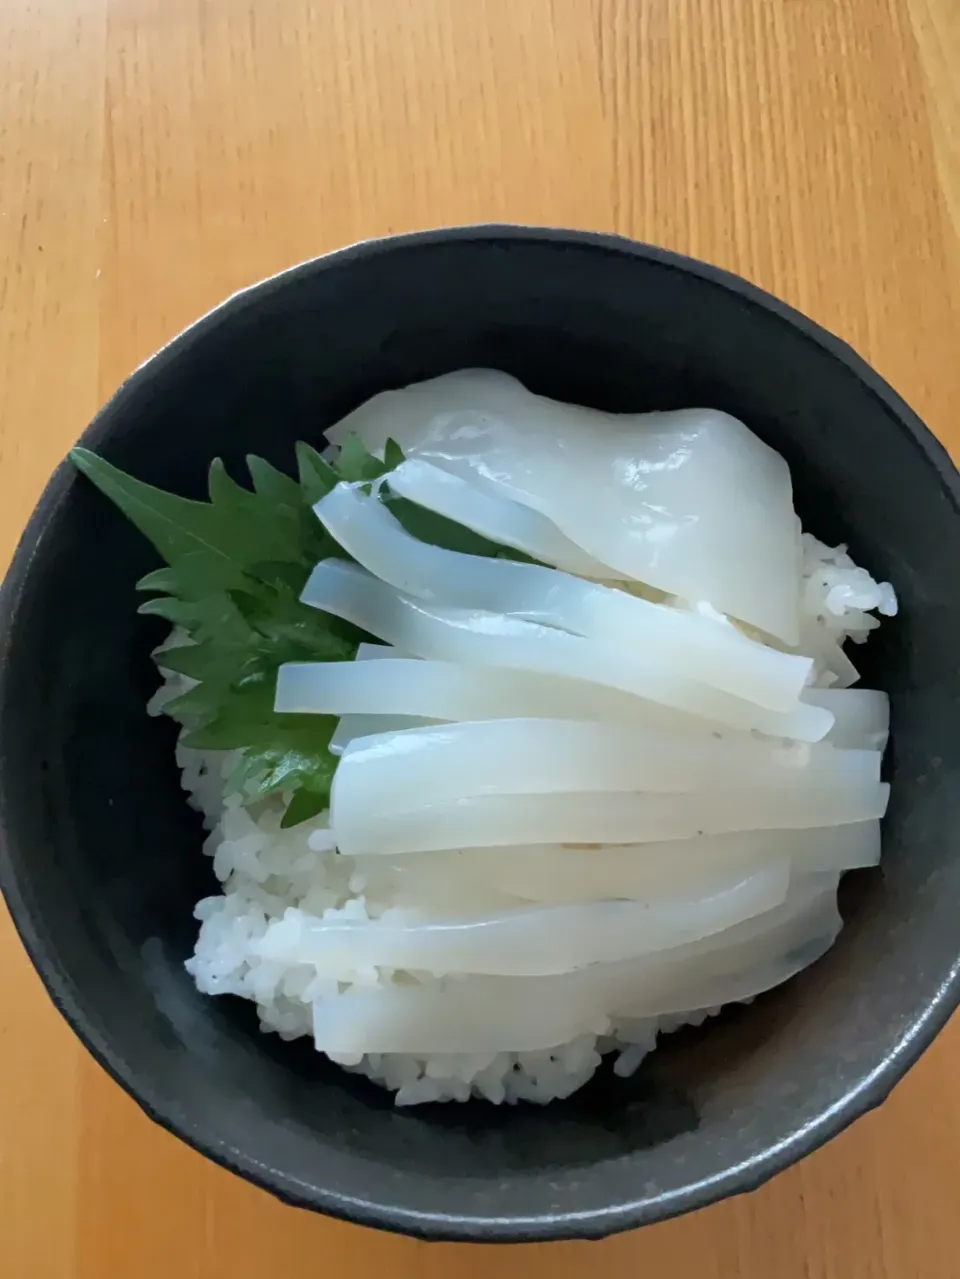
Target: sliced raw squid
x=445 y=762
x=691 y=502
x=529 y=941
x=440 y=690
x=609 y=818
x=497 y=518
x=490 y=639
x=493 y=1015
x=705 y=648
x=432 y=885
x=555 y=874
x=861 y=716
x=354 y=722
x=461 y=1017
x=352 y=727
x=497 y=1014
x=713 y=990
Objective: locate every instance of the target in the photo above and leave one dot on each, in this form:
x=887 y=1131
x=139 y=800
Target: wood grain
x=157 y=154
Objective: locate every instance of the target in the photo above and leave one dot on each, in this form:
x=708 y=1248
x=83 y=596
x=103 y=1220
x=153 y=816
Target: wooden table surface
x=156 y=155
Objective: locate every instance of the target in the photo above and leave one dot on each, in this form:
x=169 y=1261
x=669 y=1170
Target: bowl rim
x=630 y=1212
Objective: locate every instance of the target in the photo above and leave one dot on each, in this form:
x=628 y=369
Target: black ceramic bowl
x=101 y=859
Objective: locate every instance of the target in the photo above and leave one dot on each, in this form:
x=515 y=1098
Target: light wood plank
x=51 y=138
x=156 y=155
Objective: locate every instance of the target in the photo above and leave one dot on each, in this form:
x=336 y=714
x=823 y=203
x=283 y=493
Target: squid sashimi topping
x=689 y=501
x=522 y=732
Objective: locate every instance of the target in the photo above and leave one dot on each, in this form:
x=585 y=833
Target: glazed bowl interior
x=101 y=861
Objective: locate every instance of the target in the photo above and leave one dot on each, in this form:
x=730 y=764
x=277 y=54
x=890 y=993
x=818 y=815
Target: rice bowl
x=100 y=863
x=695 y=727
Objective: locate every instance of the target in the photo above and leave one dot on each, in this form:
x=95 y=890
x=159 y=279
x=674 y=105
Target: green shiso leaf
x=235 y=567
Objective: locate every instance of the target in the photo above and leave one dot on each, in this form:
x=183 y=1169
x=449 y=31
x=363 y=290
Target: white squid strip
x=429 y=1019
x=352 y=727
x=446 y=762
x=729 y=967
x=497 y=518
x=491 y=1014
x=433 y=887
x=808 y=895
x=611 y=818
x=555 y=874
x=490 y=639
x=362 y=724
x=861 y=715
x=688 y=644
x=441 y=690
x=530 y=941
x=708 y=989
x=691 y=502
